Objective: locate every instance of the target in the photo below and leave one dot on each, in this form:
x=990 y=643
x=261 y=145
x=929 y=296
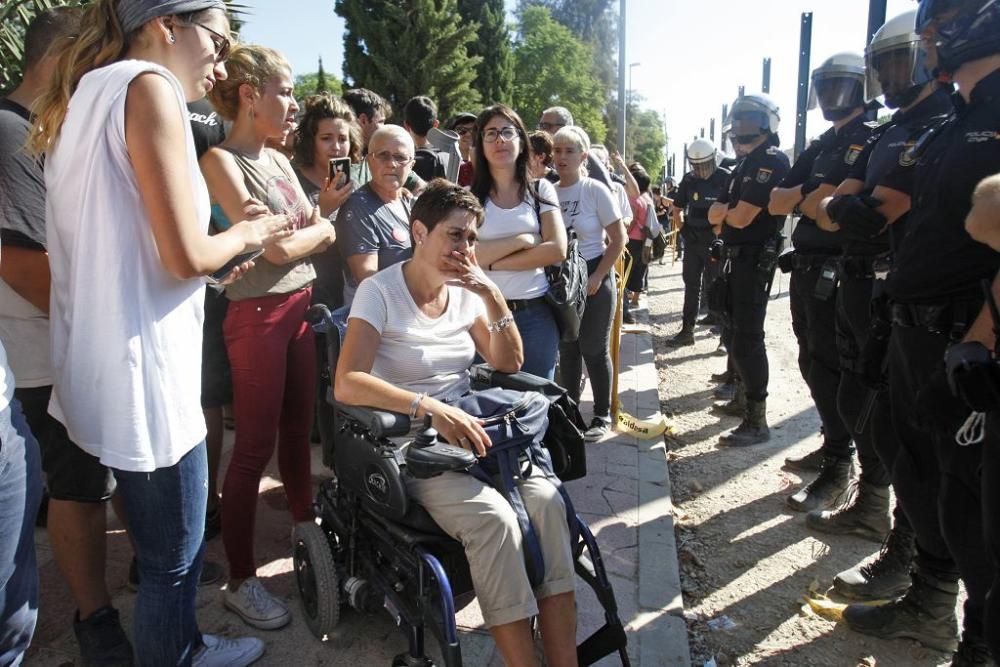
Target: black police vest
x=702 y=194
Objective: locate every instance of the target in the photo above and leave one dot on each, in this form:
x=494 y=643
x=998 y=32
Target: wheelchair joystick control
x=427 y=435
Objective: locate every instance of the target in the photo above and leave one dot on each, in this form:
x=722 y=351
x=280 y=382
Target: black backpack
x=430 y=163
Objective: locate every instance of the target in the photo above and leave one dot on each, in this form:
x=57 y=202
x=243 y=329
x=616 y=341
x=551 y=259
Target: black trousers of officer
x=814 y=324
x=746 y=298
x=853 y=313
x=991 y=526
x=699 y=270
x=936 y=480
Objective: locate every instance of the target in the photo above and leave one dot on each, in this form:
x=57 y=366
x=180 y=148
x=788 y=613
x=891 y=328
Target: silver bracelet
x=500 y=324
x=415 y=404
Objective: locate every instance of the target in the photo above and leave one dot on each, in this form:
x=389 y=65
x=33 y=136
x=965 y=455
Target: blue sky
x=693 y=55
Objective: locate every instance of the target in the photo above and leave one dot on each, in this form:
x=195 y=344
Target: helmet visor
x=747 y=121
x=895 y=72
x=834 y=93
x=703 y=169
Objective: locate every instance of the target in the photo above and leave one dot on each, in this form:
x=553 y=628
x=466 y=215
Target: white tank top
x=126 y=335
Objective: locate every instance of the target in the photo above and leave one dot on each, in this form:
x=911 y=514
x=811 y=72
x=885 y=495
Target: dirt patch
x=746 y=559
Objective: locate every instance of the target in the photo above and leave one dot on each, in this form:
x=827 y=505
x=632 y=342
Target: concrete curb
x=660 y=625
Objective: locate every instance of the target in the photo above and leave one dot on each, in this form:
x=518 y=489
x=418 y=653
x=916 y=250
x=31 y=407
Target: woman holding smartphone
x=125 y=191
x=522 y=233
x=271 y=348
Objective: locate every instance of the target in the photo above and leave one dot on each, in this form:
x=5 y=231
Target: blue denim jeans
x=166 y=518
x=540 y=337
x=20 y=494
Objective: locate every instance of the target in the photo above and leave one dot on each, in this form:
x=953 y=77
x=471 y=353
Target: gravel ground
x=746 y=559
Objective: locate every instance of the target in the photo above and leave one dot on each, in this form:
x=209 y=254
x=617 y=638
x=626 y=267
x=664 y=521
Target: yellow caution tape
x=645 y=429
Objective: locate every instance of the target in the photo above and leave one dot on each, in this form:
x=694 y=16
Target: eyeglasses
x=551 y=127
x=464 y=130
x=388 y=157
x=220 y=41
x=506 y=133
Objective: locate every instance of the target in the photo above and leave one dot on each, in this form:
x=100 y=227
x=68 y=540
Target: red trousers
x=273 y=359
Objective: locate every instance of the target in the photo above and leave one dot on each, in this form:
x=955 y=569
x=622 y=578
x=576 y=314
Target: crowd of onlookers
x=151 y=122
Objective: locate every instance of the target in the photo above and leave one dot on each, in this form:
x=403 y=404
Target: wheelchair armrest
x=379 y=423
x=432 y=460
x=483 y=376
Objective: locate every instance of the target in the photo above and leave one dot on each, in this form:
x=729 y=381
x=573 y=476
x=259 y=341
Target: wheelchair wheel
x=316 y=577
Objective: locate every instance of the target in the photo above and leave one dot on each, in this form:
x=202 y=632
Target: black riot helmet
x=838 y=85
x=895 y=65
x=963 y=30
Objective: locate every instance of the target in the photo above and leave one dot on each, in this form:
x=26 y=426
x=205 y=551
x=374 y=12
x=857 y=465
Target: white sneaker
x=223 y=652
x=256 y=606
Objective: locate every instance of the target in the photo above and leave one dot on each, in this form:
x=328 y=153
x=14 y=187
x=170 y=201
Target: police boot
x=831 y=483
x=865 y=514
x=725 y=392
x=972 y=652
x=752 y=430
x=735 y=406
x=811 y=462
x=683 y=338
x=886 y=577
x=926 y=613
x=725 y=377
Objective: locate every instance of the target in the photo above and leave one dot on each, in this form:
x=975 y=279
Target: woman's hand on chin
x=457 y=427
x=468 y=273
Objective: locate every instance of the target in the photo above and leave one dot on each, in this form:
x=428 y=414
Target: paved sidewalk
x=625 y=498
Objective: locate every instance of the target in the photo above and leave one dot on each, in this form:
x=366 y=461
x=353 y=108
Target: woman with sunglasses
x=125 y=194
x=271 y=348
x=523 y=232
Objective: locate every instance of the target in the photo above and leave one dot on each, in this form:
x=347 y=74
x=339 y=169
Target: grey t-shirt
x=22 y=182
x=366 y=225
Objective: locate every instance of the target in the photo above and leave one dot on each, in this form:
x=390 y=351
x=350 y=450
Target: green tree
x=552 y=67
x=495 y=73
x=646 y=140
x=316 y=82
x=403 y=48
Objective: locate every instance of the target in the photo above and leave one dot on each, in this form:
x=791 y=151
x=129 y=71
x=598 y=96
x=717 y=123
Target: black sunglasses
x=221 y=42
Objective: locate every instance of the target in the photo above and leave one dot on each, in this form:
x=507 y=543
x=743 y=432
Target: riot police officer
x=698 y=190
x=896 y=69
x=838 y=89
x=750 y=238
x=934 y=285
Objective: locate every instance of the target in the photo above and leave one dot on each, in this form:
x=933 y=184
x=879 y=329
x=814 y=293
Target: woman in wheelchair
x=413 y=331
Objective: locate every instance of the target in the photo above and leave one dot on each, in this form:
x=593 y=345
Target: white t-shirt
x=126 y=335
x=504 y=222
x=419 y=353
x=24 y=329
x=588 y=207
x=623 y=205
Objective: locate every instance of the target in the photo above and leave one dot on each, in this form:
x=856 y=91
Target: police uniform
x=695 y=196
x=814 y=310
x=747 y=282
x=863 y=268
x=934 y=285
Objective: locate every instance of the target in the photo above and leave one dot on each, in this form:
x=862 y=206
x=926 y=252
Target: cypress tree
x=495 y=74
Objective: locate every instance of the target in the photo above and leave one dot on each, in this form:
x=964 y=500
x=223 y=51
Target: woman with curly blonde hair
x=271 y=348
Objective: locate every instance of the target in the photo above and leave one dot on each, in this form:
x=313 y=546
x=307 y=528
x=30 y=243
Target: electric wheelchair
x=374 y=549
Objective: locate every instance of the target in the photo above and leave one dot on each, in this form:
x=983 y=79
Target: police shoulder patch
x=851 y=156
x=764 y=175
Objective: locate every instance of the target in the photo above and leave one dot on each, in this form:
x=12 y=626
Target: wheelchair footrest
x=605 y=641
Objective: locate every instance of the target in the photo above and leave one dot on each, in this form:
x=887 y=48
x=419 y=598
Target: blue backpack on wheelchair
x=374 y=549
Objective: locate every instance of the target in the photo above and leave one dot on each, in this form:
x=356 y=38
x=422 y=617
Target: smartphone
x=220 y=275
x=340 y=165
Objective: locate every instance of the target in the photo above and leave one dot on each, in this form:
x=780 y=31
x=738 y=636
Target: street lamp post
x=628 y=107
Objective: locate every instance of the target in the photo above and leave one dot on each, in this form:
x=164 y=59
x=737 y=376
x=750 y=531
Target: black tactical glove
x=857 y=216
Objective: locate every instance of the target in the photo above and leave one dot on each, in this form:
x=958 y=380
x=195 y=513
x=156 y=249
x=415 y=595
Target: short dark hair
x=439 y=199
x=47 y=28
x=541 y=143
x=364 y=101
x=642 y=179
x=420 y=113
